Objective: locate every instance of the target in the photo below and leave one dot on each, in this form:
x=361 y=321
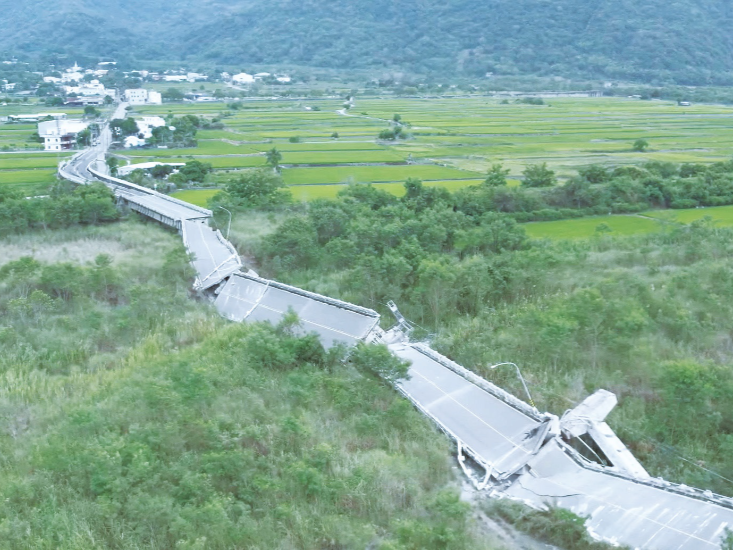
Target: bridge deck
x=633 y=512
x=248 y=298
x=215 y=258
x=496 y=434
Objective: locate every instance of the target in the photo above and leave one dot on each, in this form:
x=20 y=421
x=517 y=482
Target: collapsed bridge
x=505 y=446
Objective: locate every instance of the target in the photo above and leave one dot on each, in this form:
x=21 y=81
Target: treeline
x=395 y=248
x=178 y=132
x=64 y=207
x=599 y=190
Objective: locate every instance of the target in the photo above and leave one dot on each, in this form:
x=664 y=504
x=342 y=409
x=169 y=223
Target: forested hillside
x=686 y=41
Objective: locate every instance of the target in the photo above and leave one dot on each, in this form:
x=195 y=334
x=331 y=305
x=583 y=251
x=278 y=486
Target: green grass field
x=721 y=216
x=199 y=197
x=583 y=228
x=648 y=222
x=457 y=138
x=27 y=182
x=23 y=169
x=372 y=174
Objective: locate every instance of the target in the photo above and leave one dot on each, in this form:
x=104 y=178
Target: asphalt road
x=95 y=156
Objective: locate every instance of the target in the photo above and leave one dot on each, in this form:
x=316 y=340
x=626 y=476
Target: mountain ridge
x=685 y=42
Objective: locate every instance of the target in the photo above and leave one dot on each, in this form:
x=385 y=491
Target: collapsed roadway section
x=505 y=446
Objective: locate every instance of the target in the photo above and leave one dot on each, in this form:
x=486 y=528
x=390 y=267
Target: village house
x=60 y=134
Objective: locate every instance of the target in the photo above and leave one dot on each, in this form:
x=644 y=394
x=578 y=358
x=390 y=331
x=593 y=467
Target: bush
x=378 y=360
x=684 y=203
x=555 y=526
x=260 y=188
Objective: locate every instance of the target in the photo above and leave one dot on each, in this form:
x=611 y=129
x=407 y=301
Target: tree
x=594 y=173
x=377 y=359
x=255 y=188
x=173 y=94
x=392 y=133
x=112 y=164
x=728 y=540
x=274 y=157
x=294 y=245
x=91 y=111
x=413 y=188
x=436 y=286
x=497 y=233
x=496 y=176
x=538 y=175
x=193 y=171
x=640 y=145
x=84 y=138
x=160 y=171
x=124 y=127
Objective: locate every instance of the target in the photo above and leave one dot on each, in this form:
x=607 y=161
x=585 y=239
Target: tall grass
x=134 y=416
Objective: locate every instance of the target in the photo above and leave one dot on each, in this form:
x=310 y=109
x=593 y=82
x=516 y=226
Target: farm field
x=452 y=140
x=24 y=167
x=199 y=197
x=30 y=173
x=722 y=216
x=300 y=193
x=582 y=228
x=647 y=222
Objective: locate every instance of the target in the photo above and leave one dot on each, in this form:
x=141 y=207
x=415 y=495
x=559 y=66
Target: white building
x=36 y=117
x=196 y=77
x=151 y=122
x=243 y=78
x=59 y=135
x=145 y=131
x=93 y=88
x=136 y=96
x=141 y=96
x=73 y=74
x=134 y=141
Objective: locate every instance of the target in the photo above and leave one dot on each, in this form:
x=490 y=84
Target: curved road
x=94 y=156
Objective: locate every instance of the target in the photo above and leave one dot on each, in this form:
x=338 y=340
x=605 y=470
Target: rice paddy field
x=647 y=222
x=24 y=166
x=583 y=228
x=453 y=141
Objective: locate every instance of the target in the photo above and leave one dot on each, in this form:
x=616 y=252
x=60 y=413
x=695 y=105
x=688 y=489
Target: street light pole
x=521 y=379
x=230 y=220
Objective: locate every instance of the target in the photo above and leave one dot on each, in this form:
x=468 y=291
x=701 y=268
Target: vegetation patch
x=593 y=226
